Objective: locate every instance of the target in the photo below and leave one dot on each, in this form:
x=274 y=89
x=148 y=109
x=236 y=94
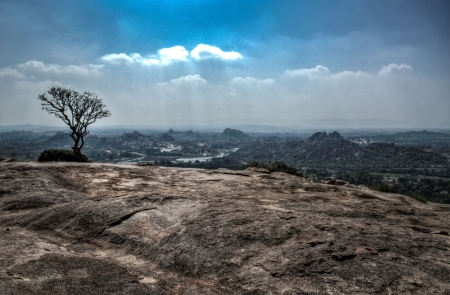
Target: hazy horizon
x=313 y=126
x=352 y=64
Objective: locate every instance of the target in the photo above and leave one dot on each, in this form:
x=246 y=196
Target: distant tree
x=77 y=110
x=276 y=167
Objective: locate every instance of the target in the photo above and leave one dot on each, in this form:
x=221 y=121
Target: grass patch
x=385 y=188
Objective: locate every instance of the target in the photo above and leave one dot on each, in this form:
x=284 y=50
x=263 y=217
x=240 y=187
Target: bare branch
x=77 y=110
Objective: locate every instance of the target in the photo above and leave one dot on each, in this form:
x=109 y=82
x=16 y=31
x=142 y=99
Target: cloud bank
x=169 y=55
x=39 y=66
x=394 y=68
x=203 y=51
x=8 y=72
x=158 y=92
x=313 y=72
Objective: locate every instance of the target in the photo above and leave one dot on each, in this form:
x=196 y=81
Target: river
x=204 y=159
x=185 y=160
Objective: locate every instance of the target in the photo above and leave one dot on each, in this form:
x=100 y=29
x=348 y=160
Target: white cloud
x=203 y=51
x=169 y=55
x=134 y=58
x=34 y=65
x=8 y=72
x=251 y=80
x=199 y=93
x=118 y=58
x=165 y=56
x=189 y=80
x=313 y=72
x=324 y=73
x=394 y=68
x=137 y=58
x=349 y=74
x=172 y=54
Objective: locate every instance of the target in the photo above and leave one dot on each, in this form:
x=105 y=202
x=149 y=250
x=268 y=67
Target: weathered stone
x=122 y=229
x=334 y=181
x=258 y=169
x=145 y=164
x=340 y=182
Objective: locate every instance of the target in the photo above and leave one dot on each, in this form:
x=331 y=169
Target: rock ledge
x=113 y=229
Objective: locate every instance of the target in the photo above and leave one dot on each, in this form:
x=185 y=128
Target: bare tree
x=77 y=110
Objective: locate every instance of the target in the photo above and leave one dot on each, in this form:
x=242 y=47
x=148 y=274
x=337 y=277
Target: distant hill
x=234 y=133
x=332 y=150
x=435 y=139
x=13 y=137
x=30 y=127
x=166 y=137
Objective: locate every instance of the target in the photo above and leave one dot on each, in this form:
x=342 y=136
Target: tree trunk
x=79 y=155
x=77 y=150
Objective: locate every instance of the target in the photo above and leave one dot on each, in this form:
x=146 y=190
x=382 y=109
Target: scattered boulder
x=334 y=181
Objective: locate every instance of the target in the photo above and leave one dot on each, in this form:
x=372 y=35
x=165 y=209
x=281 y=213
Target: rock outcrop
x=234 y=134
x=111 y=229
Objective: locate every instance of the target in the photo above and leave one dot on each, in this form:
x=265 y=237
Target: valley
x=412 y=162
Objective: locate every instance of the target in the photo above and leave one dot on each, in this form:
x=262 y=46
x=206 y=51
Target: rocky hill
x=333 y=151
x=234 y=134
x=427 y=138
x=111 y=229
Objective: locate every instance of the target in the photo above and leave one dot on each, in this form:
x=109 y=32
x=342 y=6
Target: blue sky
x=181 y=62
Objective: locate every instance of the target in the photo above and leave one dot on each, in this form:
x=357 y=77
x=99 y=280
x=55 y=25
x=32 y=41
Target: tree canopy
x=77 y=110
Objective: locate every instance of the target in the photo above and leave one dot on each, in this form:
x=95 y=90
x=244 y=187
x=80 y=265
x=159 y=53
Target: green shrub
x=276 y=167
x=385 y=188
x=57 y=155
x=415 y=196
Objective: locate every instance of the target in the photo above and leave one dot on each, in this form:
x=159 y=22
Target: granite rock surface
x=114 y=229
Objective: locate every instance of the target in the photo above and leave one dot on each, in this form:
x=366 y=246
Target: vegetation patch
x=276 y=167
x=59 y=155
x=385 y=188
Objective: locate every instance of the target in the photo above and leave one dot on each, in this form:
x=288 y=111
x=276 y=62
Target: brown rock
x=258 y=169
x=340 y=182
x=109 y=229
x=145 y=164
x=334 y=181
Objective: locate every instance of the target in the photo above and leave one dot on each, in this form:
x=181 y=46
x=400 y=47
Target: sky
x=226 y=62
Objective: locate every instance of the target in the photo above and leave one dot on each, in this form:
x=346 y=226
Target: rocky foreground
x=111 y=229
